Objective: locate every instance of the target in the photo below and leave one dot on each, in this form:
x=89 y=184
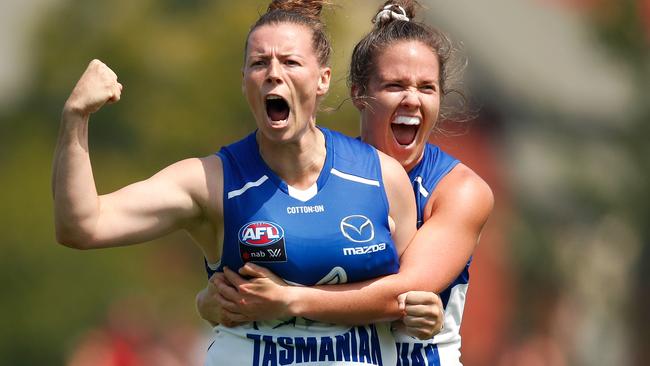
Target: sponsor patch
x=262 y=241
x=364 y=249
x=357 y=228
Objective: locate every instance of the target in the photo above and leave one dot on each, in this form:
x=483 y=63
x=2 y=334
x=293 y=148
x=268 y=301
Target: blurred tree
x=586 y=245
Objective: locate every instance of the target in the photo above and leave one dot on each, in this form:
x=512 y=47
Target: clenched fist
x=423 y=314
x=97 y=86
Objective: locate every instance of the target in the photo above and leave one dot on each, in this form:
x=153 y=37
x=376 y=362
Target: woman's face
x=282 y=80
x=403 y=101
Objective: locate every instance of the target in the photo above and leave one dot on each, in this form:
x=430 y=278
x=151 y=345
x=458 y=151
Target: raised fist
x=97 y=86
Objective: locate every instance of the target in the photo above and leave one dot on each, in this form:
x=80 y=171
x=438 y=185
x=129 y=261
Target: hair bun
x=395 y=10
x=308 y=8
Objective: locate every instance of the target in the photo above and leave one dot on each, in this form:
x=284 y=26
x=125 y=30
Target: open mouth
x=277 y=109
x=405 y=128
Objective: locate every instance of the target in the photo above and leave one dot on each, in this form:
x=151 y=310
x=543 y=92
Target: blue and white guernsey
x=335 y=232
x=444 y=348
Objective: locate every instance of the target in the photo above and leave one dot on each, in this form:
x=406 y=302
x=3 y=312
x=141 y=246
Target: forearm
x=423 y=267
x=76 y=203
x=352 y=304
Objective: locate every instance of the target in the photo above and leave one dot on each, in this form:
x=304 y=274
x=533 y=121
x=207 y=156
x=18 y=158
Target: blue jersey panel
x=341 y=234
x=426 y=175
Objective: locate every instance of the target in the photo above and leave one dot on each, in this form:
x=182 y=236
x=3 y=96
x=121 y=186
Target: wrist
x=73 y=112
x=292 y=299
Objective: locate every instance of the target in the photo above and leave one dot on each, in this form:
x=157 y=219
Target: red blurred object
x=488 y=310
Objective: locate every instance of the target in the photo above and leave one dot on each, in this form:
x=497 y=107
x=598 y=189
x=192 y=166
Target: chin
x=407 y=156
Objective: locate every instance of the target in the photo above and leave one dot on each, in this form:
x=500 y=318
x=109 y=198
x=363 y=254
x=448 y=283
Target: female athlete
x=399 y=73
x=294 y=197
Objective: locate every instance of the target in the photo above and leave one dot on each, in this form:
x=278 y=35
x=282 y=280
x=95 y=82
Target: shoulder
x=201 y=178
x=464 y=189
x=346 y=145
x=390 y=166
x=193 y=171
x=394 y=176
x=436 y=163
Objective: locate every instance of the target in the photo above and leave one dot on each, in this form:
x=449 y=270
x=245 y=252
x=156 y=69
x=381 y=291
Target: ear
x=243 y=89
x=324 y=81
x=356 y=100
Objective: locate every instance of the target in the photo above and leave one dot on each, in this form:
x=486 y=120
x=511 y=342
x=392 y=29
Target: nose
x=273 y=74
x=411 y=99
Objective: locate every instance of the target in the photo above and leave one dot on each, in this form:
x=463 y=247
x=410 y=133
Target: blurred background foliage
x=567 y=242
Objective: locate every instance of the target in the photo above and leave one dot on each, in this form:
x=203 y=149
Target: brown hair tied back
x=390 y=30
x=308 y=8
x=302 y=12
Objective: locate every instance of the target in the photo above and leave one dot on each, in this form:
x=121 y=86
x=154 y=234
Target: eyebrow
x=265 y=55
x=384 y=79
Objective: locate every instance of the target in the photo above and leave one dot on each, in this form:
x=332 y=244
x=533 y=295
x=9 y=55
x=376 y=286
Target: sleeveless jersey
x=338 y=233
x=444 y=348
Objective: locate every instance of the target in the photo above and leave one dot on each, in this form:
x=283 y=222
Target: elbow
x=74 y=238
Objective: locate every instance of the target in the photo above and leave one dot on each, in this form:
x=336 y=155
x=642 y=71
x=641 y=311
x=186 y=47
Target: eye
x=255 y=63
x=393 y=87
x=428 y=88
x=291 y=62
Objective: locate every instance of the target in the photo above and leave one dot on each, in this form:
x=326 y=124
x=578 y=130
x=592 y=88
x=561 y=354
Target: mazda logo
x=357 y=228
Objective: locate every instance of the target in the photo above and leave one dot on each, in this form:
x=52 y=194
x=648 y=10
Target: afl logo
x=260 y=233
x=357 y=228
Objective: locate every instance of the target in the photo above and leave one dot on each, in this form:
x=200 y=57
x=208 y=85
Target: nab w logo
x=357 y=228
x=274 y=252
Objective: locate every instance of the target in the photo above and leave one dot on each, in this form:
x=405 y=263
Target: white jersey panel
x=288 y=343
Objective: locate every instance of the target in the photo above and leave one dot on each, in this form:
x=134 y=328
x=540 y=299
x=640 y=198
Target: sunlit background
x=562 y=136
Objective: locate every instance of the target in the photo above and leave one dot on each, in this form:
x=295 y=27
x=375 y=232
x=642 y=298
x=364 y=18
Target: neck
x=298 y=162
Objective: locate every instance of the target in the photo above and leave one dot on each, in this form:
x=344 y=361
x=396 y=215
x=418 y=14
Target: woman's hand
x=97 y=86
x=423 y=314
x=264 y=296
x=209 y=304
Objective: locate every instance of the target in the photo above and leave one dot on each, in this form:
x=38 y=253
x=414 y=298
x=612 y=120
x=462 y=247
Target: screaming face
x=283 y=81
x=402 y=101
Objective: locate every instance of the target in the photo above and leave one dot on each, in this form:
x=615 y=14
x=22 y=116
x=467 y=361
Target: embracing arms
x=440 y=249
x=454 y=218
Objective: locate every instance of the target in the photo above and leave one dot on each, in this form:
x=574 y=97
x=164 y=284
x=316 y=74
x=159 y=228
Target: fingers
x=230 y=319
x=219 y=277
x=425 y=311
x=401 y=301
x=253 y=270
x=418 y=321
x=424 y=314
x=421 y=298
x=232 y=277
x=226 y=304
x=97 y=86
x=422 y=327
x=226 y=291
x=116 y=93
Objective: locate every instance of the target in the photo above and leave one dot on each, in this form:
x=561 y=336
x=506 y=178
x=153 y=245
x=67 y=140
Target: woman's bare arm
x=136 y=213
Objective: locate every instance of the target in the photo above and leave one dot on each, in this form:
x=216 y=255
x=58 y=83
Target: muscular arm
x=139 y=212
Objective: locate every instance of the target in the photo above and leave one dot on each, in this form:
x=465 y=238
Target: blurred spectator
x=131 y=337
